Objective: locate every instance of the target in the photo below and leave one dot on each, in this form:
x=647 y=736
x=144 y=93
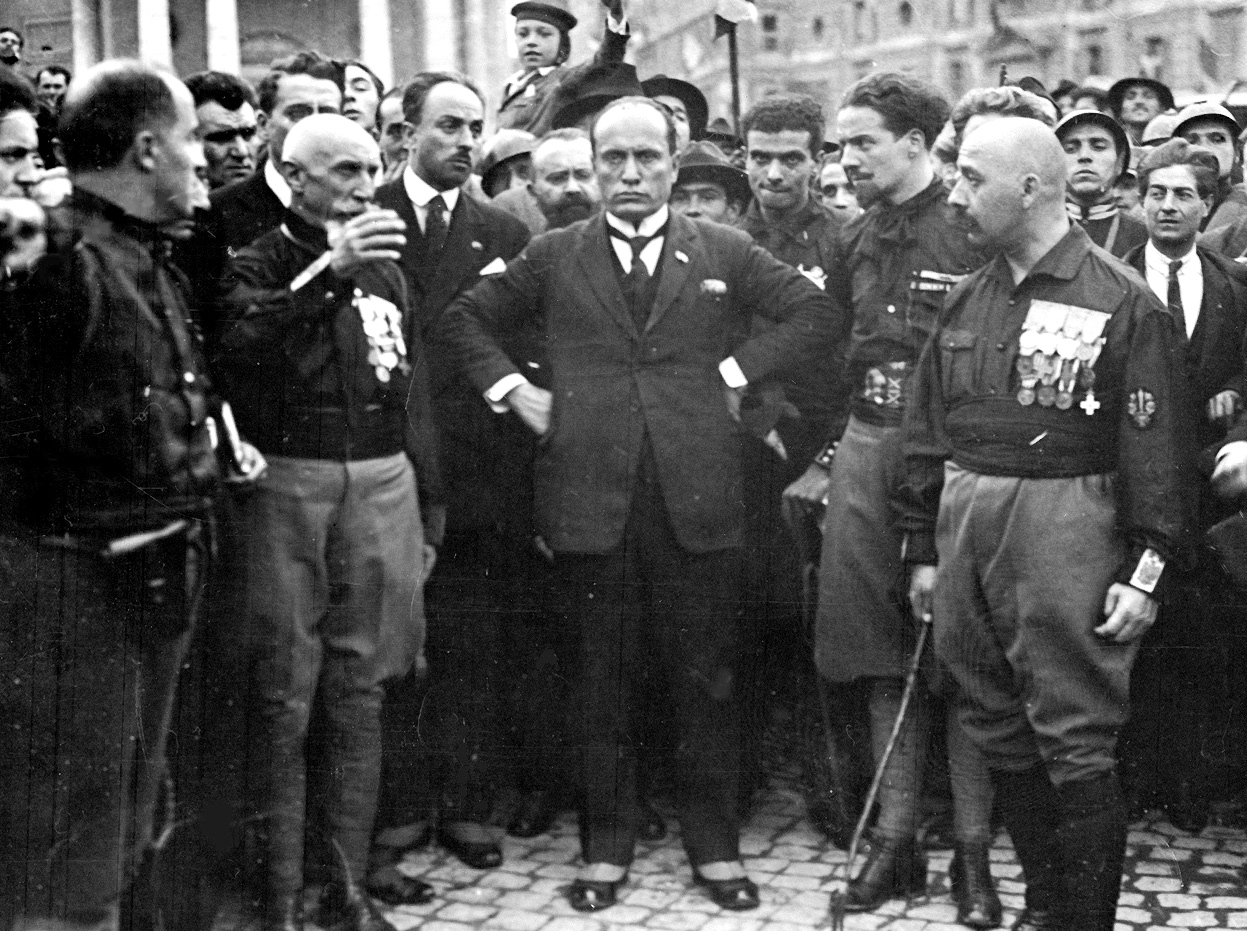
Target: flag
x=729 y=13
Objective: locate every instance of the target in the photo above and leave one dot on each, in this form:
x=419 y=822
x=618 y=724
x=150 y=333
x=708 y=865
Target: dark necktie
x=1175 y=297
x=638 y=277
x=435 y=229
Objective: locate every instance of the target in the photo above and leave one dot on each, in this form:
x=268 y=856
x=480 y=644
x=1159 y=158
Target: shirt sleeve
x=496 y=395
x=733 y=377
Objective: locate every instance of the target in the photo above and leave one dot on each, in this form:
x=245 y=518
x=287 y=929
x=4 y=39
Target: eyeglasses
x=222 y=136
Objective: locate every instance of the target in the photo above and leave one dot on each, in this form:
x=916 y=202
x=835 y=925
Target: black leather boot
x=974 y=891
x=893 y=870
x=347 y=907
x=1092 y=839
x=1028 y=804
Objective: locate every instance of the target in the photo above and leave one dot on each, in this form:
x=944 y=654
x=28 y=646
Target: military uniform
x=1044 y=431
x=1108 y=227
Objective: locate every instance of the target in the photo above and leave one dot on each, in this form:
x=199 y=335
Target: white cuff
x=1237 y=448
x=495 y=397
x=619 y=28
x=732 y=375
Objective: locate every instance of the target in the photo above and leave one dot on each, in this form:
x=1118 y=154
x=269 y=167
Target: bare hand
x=1224 y=407
x=23 y=233
x=251 y=464
x=1229 y=479
x=370 y=237
x=1130 y=613
x=532 y=404
x=807 y=495
x=922 y=592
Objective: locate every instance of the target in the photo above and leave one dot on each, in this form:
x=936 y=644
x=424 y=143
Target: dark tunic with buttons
x=894 y=266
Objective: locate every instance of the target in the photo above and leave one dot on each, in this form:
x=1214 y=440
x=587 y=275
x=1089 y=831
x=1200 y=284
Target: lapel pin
x=477 y=246
x=714 y=287
x=680 y=256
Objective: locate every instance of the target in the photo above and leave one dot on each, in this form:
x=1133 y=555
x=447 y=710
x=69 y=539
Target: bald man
x=1043 y=435
x=326 y=375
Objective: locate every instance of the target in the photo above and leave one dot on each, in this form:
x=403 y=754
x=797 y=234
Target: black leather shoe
x=392 y=887
x=1189 y=808
x=1037 y=919
x=978 y=906
x=480 y=855
x=652 y=827
x=735 y=895
x=347 y=907
x=893 y=870
x=536 y=815
x=588 y=895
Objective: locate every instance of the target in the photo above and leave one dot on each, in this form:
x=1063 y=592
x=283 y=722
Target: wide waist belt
x=328 y=433
x=989 y=436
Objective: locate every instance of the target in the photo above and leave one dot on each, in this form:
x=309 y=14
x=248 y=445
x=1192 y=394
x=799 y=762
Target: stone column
x=86 y=27
x=374 y=38
x=153 y=30
x=221 y=20
x=441 y=35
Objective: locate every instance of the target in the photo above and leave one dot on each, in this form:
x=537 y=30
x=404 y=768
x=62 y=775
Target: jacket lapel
x=394 y=197
x=442 y=278
x=674 y=271
x=597 y=260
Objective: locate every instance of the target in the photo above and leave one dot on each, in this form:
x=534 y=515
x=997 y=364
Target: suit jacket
x=485 y=457
x=1214 y=356
x=615 y=386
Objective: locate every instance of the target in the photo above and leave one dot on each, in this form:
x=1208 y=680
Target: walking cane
x=837 y=898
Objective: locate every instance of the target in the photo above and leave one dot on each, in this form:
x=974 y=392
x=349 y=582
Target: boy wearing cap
x=709 y=187
x=543 y=38
x=1097 y=153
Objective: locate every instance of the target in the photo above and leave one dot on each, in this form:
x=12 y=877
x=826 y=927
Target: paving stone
x=819 y=870
x=1130 y=898
x=522 y=899
x=765 y=864
x=793 y=852
x=1155 y=868
x=501 y=879
x=570 y=923
x=1136 y=916
x=1157 y=884
x=732 y=923
x=1193 y=920
x=934 y=912
x=1220 y=902
x=1174 y=900
x=1173 y=854
x=515 y=919
x=787 y=881
x=1195 y=843
x=1224 y=859
x=863 y=922
x=678 y=921
x=795 y=914
x=445 y=926
x=1236 y=920
x=465 y=913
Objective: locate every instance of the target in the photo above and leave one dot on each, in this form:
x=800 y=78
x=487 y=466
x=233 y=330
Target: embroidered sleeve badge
x=1141 y=408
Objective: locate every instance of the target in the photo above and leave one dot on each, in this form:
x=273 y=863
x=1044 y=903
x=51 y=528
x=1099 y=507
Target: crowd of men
x=368 y=481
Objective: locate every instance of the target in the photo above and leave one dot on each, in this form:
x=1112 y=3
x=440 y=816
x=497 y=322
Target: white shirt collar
x=421 y=192
x=647 y=227
x=1160 y=262
x=276 y=183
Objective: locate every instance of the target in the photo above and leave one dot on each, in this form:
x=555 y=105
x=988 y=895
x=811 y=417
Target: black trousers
x=652 y=609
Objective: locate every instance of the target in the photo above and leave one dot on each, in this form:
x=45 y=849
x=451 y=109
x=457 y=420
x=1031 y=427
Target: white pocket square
x=496 y=267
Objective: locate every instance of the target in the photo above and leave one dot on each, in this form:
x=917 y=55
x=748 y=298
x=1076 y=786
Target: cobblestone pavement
x=1173 y=880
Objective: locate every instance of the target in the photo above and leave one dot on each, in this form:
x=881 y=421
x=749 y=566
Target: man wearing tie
x=478 y=593
x=638 y=474
x=1183 y=664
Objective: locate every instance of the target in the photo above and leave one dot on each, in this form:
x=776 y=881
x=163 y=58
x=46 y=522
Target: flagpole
x=733 y=64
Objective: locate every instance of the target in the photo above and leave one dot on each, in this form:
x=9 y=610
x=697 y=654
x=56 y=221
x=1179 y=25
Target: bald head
x=331 y=164
x=1011 y=189
x=322 y=136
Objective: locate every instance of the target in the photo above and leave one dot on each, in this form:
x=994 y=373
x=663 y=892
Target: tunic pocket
x=958 y=361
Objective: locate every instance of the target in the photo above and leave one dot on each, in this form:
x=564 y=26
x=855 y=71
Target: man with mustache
x=1044 y=433
x=488 y=553
x=893 y=268
x=1097 y=153
x=564 y=185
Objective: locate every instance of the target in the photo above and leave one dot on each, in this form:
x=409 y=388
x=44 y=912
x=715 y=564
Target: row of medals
x=1057 y=350
x=383 y=325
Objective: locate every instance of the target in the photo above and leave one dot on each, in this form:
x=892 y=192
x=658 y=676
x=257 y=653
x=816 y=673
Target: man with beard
x=225 y=105
x=1136 y=101
x=1045 y=423
x=895 y=265
x=1097 y=153
x=564 y=184
x=482 y=585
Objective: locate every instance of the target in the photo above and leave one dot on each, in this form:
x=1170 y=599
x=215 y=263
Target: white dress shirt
x=420 y=192
x=276 y=183
x=1190 y=281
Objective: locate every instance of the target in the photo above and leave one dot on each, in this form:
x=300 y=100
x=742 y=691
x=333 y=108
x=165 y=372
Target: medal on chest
x=1057 y=352
x=383 y=328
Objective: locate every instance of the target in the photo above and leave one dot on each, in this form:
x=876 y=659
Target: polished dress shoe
x=478 y=854
x=978 y=906
x=347 y=907
x=893 y=870
x=536 y=814
x=591 y=895
x=651 y=826
x=1038 y=919
x=734 y=895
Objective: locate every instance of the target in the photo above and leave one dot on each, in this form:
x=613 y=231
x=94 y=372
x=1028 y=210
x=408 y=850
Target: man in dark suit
x=477 y=594
x=638 y=479
x=1183 y=667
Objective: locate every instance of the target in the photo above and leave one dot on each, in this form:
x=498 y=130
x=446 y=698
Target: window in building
x=770 y=25
x=859 y=19
x=956 y=78
x=817 y=27
x=1095 y=59
x=905 y=13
